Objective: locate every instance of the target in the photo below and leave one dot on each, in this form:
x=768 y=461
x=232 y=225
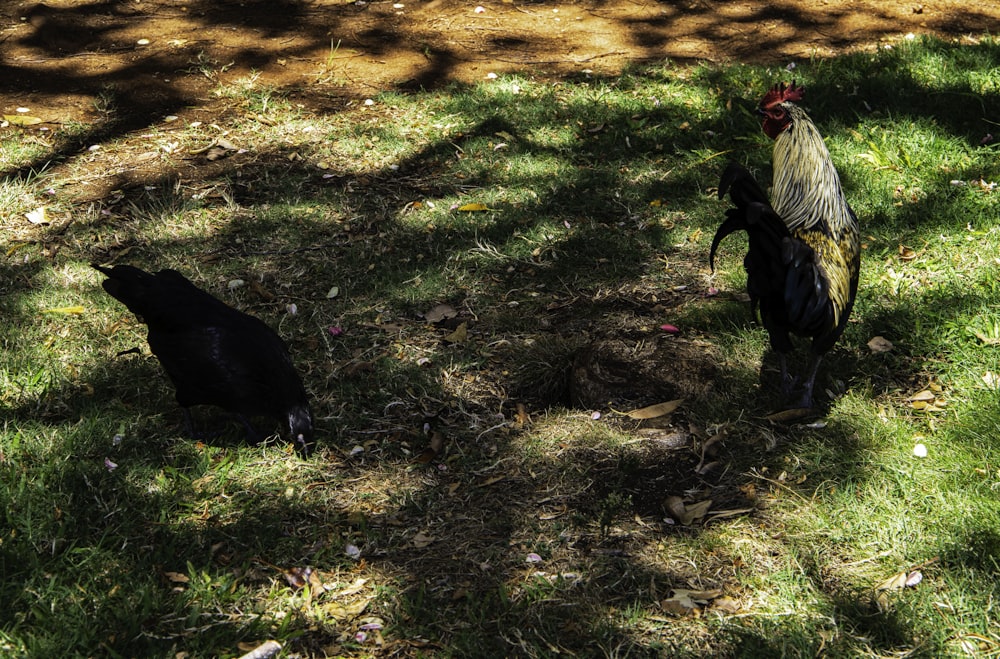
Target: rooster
x=804 y=252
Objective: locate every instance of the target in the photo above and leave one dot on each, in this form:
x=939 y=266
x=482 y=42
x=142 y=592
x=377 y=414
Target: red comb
x=781 y=93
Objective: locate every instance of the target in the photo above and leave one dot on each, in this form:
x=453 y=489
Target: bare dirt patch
x=64 y=58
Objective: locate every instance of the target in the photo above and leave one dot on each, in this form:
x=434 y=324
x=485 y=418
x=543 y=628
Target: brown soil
x=60 y=57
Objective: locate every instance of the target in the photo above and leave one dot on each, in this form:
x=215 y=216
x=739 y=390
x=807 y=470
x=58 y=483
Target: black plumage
x=804 y=256
x=214 y=354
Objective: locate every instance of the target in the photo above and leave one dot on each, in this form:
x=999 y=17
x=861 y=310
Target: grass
x=538 y=527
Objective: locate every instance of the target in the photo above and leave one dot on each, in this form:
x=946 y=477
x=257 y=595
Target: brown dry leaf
x=421 y=540
x=440 y=312
x=298 y=577
x=680 y=605
x=675 y=506
x=726 y=605
x=906 y=254
x=688 y=602
x=493 y=480
x=473 y=207
x=787 y=416
x=685 y=514
x=316 y=587
x=523 y=418
x=722 y=514
x=653 y=411
x=176 y=577
x=259 y=290
x=893 y=583
x=432 y=450
x=460 y=334
x=880 y=344
x=925 y=395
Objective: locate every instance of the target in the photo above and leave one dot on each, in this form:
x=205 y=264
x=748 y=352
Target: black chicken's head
x=772 y=108
x=300 y=424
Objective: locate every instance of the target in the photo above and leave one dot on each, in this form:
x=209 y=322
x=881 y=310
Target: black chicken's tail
x=753 y=214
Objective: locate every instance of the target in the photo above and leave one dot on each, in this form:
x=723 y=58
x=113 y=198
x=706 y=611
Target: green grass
x=524 y=536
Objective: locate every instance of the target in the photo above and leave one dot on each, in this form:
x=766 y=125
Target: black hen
x=214 y=354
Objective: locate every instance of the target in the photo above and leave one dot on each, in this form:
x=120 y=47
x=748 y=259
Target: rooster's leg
x=807 y=395
x=787 y=382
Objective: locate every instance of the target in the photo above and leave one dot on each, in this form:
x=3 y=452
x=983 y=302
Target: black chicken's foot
x=253 y=437
x=193 y=433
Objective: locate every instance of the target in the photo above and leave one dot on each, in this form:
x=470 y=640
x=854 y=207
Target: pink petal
x=670 y=329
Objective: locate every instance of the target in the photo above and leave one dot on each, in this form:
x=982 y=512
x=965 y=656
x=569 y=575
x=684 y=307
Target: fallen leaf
x=37 y=216
x=73 y=310
x=925 y=395
x=906 y=254
x=686 y=514
x=473 y=207
x=688 y=602
x=176 y=577
x=340 y=611
x=440 y=312
x=332 y=293
x=523 y=418
x=421 y=540
x=21 y=120
x=653 y=411
x=726 y=605
x=460 y=334
x=680 y=605
x=432 y=450
x=787 y=416
x=880 y=344
x=298 y=577
x=893 y=583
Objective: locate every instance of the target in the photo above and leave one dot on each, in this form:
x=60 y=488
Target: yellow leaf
x=340 y=611
x=924 y=395
x=21 y=120
x=460 y=334
x=654 y=411
x=16 y=246
x=466 y=208
x=77 y=309
x=656 y=203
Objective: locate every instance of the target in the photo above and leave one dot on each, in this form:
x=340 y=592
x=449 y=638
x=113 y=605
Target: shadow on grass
x=574 y=504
